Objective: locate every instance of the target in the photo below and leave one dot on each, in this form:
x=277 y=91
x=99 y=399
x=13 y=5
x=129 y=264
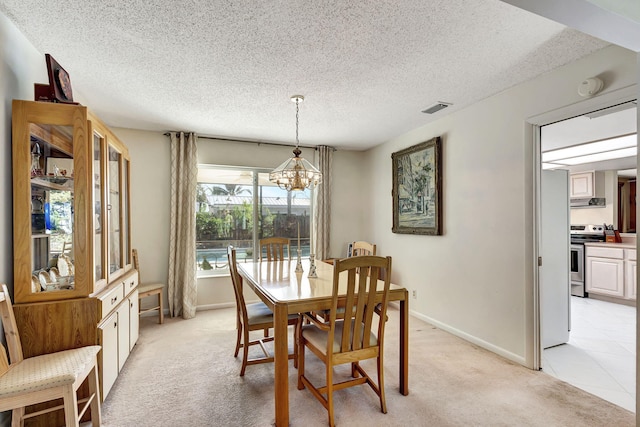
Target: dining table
x=286 y=292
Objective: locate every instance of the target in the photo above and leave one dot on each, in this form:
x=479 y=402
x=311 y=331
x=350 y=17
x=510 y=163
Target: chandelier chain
x=297 y=113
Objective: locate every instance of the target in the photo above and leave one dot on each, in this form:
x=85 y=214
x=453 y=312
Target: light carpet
x=183 y=373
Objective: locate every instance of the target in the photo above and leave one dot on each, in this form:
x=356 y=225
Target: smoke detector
x=436 y=107
x=590 y=87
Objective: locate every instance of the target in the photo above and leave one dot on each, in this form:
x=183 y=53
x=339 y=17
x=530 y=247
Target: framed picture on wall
x=417 y=189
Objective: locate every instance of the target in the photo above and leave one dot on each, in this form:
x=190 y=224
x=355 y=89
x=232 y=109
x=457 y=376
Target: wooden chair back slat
x=10 y=327
x=361 y=248
x=362 y=285
x=272 y=248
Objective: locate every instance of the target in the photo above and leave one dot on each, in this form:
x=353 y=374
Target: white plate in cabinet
x=605 y=276
x=110 y=300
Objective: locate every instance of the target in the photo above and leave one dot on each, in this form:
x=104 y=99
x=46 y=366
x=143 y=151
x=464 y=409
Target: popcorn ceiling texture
x=228 y=69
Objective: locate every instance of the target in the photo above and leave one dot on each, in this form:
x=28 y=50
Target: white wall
x=477 y=279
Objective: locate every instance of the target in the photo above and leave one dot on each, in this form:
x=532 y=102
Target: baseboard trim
x=215 y=306
x=472 y=339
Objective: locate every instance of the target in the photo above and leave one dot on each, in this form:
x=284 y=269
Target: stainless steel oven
x=577 y=269
x=580 y=234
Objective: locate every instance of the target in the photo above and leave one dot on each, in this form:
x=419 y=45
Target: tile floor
x=600 y=356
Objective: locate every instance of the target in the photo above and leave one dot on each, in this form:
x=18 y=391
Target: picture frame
x=417 y=189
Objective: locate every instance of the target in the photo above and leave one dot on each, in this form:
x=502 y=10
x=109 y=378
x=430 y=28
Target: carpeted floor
x=183 y=373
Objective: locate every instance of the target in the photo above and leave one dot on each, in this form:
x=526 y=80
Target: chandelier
x=296 y=173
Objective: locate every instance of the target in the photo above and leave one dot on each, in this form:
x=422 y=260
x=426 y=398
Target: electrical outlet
x=414 y=294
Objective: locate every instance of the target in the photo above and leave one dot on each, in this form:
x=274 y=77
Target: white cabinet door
x=605 y=276
x=134 y=319
x=581 y=185
x=108 y=336
x=630 y=280
x=123 y=334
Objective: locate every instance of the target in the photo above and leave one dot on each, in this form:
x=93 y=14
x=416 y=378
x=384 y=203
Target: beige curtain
x=182 y=243
x=323 y=205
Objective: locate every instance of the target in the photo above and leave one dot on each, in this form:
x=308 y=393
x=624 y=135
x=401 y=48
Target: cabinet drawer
x=617 y=253
x=110 y=300
x=130 y=283
x=630 y=254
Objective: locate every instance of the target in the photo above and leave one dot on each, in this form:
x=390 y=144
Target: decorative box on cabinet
x=71 y=227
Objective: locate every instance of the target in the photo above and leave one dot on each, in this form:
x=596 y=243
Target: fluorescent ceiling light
x=546 y=166
x=598 y=157
x=604 y=146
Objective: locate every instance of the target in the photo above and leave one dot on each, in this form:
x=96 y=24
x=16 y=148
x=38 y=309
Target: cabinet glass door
x=98 y=215
x=126 y=235
x=114 y=211
x=52 y=207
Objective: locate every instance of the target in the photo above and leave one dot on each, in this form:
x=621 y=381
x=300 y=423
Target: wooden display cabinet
x=71 y=222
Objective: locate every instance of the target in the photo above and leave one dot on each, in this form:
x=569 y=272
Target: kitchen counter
x=612 y=245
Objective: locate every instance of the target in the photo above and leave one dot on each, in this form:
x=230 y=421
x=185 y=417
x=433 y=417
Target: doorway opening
x=598 y=152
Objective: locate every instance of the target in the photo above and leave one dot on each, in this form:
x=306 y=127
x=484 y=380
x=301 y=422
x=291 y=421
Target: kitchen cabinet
x=630 y=274
x=611 y=271
x=72 y=251
x=586 y=185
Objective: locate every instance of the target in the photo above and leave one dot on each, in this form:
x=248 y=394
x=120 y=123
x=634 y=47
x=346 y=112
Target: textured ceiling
x=228 y=69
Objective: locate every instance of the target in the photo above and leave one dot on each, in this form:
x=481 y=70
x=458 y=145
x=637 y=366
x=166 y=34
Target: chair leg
x=16 y=417
x=239 y=338
x=330 y=394
x=245 y=352
x=300 y=343
x=161 y=309
x=70 y=400
x=383 y=401
x=295 y=344
x=94 y=391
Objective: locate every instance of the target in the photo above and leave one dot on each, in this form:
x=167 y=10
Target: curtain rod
x=248 y=141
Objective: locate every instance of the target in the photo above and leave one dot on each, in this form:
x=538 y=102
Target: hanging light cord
x=297 y=151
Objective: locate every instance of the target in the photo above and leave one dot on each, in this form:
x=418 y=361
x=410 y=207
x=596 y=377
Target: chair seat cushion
x=318 y=338
x=149 y=287
x=259 y=313
x=47 y=371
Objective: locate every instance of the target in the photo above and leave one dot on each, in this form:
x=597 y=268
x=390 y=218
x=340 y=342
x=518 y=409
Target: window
x=228 y=201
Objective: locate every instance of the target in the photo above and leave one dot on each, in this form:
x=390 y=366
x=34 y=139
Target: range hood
x=589 y=202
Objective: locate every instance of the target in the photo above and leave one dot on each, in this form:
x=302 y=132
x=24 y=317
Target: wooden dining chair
x=273 y=248
x=44 y=378
x=253 y=317
x=362 y=248
x=148 y=289
x=350 y=339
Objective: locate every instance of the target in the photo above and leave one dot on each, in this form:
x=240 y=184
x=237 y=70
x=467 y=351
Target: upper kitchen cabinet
x=70 y=203
x=586 y=184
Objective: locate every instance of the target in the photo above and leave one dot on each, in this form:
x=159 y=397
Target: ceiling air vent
x=436 y=107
